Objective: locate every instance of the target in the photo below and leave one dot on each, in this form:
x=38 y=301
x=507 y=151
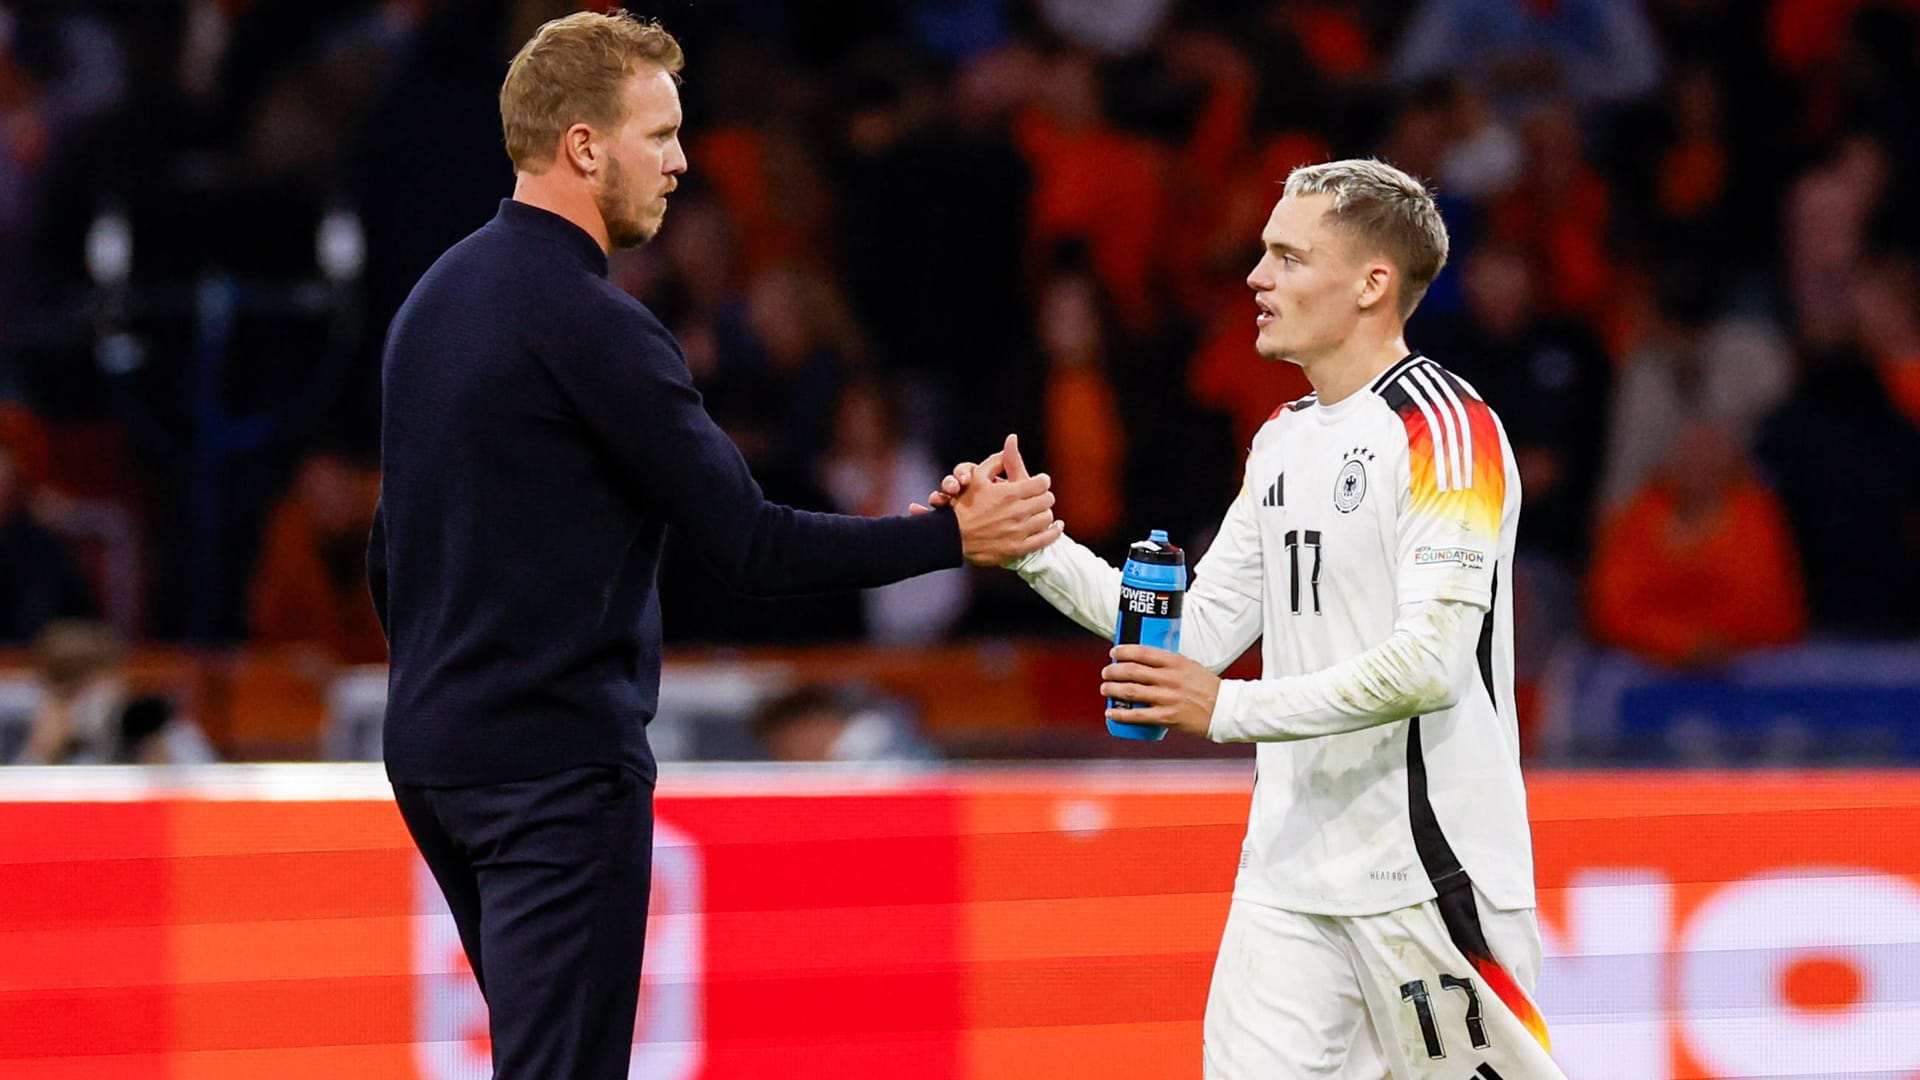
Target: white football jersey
x=1403 y=492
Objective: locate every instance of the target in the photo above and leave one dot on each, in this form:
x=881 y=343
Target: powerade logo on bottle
x=1150 y=604
x=1152 y=586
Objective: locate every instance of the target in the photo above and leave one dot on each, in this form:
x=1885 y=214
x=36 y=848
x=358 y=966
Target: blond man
x=1382 y=920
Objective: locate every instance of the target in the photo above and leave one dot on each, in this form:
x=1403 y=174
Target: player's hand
x=1177 y=692
x=1000 y=522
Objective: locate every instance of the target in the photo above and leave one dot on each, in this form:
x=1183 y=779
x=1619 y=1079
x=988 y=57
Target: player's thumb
x=1016 y=465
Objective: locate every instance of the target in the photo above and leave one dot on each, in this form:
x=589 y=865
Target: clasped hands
x=1002 y=520
x=1166 y=688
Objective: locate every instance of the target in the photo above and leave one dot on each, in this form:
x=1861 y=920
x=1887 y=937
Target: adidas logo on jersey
x=1276 y=492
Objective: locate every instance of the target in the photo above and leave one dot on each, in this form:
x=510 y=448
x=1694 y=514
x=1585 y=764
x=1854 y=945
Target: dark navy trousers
x=548 y=882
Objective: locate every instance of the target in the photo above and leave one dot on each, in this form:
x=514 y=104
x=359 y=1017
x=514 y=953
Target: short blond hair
x=572 y=71
x=1388 y=211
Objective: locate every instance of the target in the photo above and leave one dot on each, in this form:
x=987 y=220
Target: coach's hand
x=950 y=489
x=1177 y=692
x=956 y=481
x=963 y=473
x=1003 y=520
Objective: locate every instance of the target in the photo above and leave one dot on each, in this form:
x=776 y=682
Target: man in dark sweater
x=541 y=433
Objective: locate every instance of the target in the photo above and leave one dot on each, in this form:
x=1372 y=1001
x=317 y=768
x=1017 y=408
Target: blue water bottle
x=1152 y=586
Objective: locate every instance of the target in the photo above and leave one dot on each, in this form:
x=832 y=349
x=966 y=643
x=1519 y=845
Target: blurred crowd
x=1683 y=272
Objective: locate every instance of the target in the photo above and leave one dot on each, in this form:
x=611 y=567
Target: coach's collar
x=524 y=217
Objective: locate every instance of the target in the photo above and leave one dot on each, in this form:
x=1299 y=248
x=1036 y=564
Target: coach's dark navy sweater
x=540 y=435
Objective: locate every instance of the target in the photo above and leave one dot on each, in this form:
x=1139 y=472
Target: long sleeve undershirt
x=1418 y=669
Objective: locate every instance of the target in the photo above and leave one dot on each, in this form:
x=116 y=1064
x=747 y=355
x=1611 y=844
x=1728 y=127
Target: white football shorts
x=1436 y=991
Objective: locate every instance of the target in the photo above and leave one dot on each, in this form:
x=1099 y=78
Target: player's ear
x=1376 y=286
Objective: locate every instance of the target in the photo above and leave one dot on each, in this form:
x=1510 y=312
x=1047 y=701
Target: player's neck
x=556 y=193
x=1347 y=370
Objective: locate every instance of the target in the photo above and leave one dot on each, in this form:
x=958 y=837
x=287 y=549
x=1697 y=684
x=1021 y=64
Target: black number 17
x=1416 y=992
x=1293 y=540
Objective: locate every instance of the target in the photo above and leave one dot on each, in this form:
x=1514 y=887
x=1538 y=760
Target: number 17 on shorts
x=1412 y=994
x=1444 y=1006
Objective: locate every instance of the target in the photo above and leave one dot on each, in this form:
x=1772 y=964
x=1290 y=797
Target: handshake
x=1008 y=515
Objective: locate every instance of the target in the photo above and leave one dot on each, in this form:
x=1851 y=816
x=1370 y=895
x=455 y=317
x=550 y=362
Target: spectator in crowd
x=1689 y=205
x=1590 y=52
x=1844 y=459
x=1114 y=27
x=90 y=715
x=1227 y=172
x=756 y=157
x=873 y=468
x=1886 y=305
x=1085 y=439
x=1547 y=377
x=1228 y=376
x=299 y=76
x=1447 y=130
x=776 y=393
x=1829 y=211
x=920 y=164
x=60 y=69
x=24 y=150
x=40 y=581
x=1097 y=184
x=692 y=279
x=827 y=723
x=956 y=29
x=1483 y=154
x=1682 y=361
x=1699 y=564
x=1559 y=214
x=310 y=587
x=1877 y=80
x=1852 y=67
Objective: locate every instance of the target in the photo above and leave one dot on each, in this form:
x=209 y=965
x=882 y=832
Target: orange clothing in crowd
x=1678 y=592
x=24 y=438
x=1106 y=189
x=1223 y=189
x=1565 y=231
x=1226 y=374
x=766 y=198
x=1692 y=178
x=295 y=599
x=1085 y=456
x=1212 y=253
x=1806 y=34
x=1902 y=379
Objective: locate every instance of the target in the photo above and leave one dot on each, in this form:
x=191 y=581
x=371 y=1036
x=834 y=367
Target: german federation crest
x=1351 y=485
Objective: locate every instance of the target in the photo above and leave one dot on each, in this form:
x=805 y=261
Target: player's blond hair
x=572 y=71
x=1388 y=211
